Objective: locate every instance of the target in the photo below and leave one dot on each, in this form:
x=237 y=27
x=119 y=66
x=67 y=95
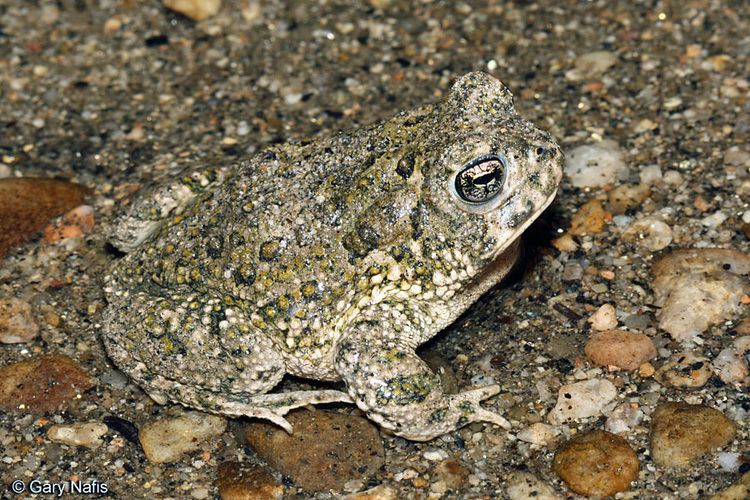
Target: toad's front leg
x=387 y=380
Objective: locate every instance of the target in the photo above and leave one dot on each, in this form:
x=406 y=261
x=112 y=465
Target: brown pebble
x=597 y=463
x=452 y=473
x=681 y=433
x=74 y=224
x=738 y=491
x=743 y=327
x=627 y=196
x=42 y=384
x=619 y=348
x=17 y=325
x=590 y=219
x=326 y=450
x=246 y=481
x=26 y=204
x=565 y=243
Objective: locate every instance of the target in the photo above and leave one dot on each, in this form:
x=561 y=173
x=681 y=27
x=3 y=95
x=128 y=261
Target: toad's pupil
x=480 y=181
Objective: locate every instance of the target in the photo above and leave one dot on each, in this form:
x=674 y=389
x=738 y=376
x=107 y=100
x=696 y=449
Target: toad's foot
x=398 y=390
x=271 y=407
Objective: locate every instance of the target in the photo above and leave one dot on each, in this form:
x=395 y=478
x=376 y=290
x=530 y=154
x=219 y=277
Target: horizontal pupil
x=480 y=181
x=485 y=179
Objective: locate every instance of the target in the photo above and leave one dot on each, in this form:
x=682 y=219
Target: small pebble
x=525 y=486
x=594 y=165
x=729 y=461
x=685 y=370
x=591 y=218
x=627 y=197
x=736 y=156
x=166 y=440
x=565 y=243
x=605 y=318
x=731 y=363
x=572 y=271
x=597 y=463
x=623 y=418
x=650 y=174
x=74 y=224
x=673 y=177
x=697 y=288
x=197 y=10
x=714 y=220
x=17 y=325
x=582 y=399
x=540 y=434
x=452 y=474
x=240 y=481
x=591 y=65
x=619 y=348
x=87 y=434
x=380 y=492
x=434 y=455
x=649 y=233
x=681 y=433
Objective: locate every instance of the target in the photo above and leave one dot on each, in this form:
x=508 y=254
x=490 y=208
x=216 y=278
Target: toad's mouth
x=512 y=235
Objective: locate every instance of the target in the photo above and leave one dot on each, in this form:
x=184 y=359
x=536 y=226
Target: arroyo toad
x=331 y=260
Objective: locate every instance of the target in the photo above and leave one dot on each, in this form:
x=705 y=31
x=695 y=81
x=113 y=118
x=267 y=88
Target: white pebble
x=605 y=318
x=730 y=364
x=16 y=321
x=650 y=174
x=650 y=233
x=166 y=440
x=624 y=418
x=435 y=455
x=86 y=434
x=591 y=64
x=673 y=177
x=729 y=461
x=194 y=9
x=715 y=219
x=539 y=433
x=582 y=399
x=593 y=165
x=524 y=485
x=293 y=98
x=698 y=287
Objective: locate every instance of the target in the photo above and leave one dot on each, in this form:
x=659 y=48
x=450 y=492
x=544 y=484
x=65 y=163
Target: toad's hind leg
x=202 y=353
x=271 y=407
x=395 y=387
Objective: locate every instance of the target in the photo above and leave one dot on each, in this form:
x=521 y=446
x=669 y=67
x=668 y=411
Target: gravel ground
x=120 y=95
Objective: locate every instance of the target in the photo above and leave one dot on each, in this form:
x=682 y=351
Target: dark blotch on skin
x=405 y=165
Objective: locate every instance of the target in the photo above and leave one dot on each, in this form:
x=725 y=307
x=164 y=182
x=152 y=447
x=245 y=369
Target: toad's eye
x=481 y=179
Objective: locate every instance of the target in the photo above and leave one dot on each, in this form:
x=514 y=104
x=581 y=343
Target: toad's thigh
x=192 y=341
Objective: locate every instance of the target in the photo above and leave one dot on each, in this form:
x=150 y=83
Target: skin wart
x=331 y=260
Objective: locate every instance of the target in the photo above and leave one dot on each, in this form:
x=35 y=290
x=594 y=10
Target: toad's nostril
x=544 y=153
